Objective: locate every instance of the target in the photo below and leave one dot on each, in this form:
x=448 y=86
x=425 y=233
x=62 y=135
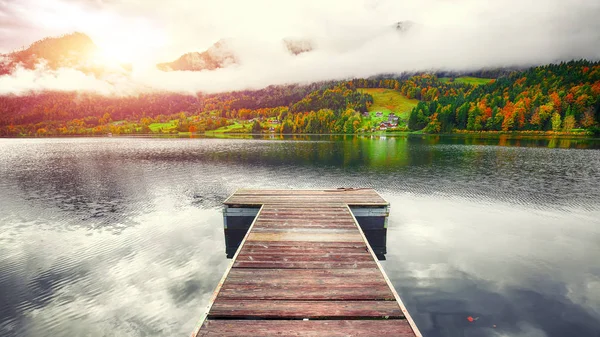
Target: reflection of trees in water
x=106 y=186
x=327 y=151
x=425 y=164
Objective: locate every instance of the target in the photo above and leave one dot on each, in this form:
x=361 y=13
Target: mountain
x=219 y=55
x=404 y=26
x=74 y=50
x=298 y=46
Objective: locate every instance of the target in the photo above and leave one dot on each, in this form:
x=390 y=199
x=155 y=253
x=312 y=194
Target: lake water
x=123 y=236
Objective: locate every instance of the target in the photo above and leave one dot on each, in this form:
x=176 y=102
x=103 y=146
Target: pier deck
x=305 y=268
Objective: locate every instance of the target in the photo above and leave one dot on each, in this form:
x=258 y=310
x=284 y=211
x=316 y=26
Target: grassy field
x=468 y=80
x=164 y=127
x=386 y=101
x=233 y=128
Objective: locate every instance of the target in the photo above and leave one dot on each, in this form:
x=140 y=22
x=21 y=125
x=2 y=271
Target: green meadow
x=467 y=80
x=387 y=101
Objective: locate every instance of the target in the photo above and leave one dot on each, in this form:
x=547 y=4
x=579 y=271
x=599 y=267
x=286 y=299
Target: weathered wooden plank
x=307 y=212
x=309 y=230
x=303 y=273
x=304 y=244
x=269 y=280
x=317 y=328
x=305 y=215
x=306 y=292
x=292 y=220
x=330 y=198
x=335 y=197
x=302 y=220
x=307 y=282
x=305 y=237
x=257 y=203
x=366 y=196
x=304 y=206
x=320 y=218
x=306 y=218
x=309 y=250
x=338 y=196
x=304 y=257
x=306 y=222
x=305 y=309
x=292 y=201
x=301 y=191
x=319 y=206
x=371 y=194
x=352 y=280
x=302 y=250
x=263 y=225
x=299 y=228
x=340 y=220
x=304 y=192
x=304 y=265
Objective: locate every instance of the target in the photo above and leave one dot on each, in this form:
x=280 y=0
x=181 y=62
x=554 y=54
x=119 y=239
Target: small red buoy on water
x=472 y=319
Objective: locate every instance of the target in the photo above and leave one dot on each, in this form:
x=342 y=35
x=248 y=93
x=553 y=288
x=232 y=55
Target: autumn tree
x=556 y=121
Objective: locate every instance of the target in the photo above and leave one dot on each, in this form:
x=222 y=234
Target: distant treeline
x=557 y=97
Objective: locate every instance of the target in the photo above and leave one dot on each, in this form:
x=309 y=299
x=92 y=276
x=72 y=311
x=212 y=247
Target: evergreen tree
x=256 y=127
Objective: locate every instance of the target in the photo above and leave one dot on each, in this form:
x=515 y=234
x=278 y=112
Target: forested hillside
x=556 y=97
x=553 y=98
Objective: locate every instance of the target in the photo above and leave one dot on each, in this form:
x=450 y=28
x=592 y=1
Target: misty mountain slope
x=298 y=46
x=219 y=55
x=74 y=50
x=404 y=26
x=222 y=55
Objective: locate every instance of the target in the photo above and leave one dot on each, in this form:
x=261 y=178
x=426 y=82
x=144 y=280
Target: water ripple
x=103 y=237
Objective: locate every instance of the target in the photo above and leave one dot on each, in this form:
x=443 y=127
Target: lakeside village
x=391 y=122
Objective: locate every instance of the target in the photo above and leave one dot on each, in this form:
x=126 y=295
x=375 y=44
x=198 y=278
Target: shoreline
x=467 y=134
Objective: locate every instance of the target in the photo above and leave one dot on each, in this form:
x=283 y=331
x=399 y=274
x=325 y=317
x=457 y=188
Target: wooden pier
x=305 y=268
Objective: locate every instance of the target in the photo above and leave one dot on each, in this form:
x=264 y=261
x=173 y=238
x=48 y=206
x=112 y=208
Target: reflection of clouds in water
x=587 y=292
x=143 y=281
x=514 y=247
x=525 y=330
x=511 y=264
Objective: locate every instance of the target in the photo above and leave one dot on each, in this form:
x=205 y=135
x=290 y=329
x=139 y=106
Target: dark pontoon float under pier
x=305 y=264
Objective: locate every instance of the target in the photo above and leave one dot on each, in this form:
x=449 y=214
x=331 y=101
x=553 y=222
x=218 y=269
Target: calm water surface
x=123 y=236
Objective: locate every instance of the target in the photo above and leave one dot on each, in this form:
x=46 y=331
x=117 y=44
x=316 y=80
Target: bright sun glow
x=128 y=43
x=115 y=55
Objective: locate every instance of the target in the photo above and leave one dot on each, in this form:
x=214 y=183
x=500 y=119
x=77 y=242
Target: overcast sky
x=352 y=38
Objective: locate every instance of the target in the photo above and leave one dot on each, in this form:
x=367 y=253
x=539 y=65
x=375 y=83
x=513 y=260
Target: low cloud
x=350 y=39
x=42 y=78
